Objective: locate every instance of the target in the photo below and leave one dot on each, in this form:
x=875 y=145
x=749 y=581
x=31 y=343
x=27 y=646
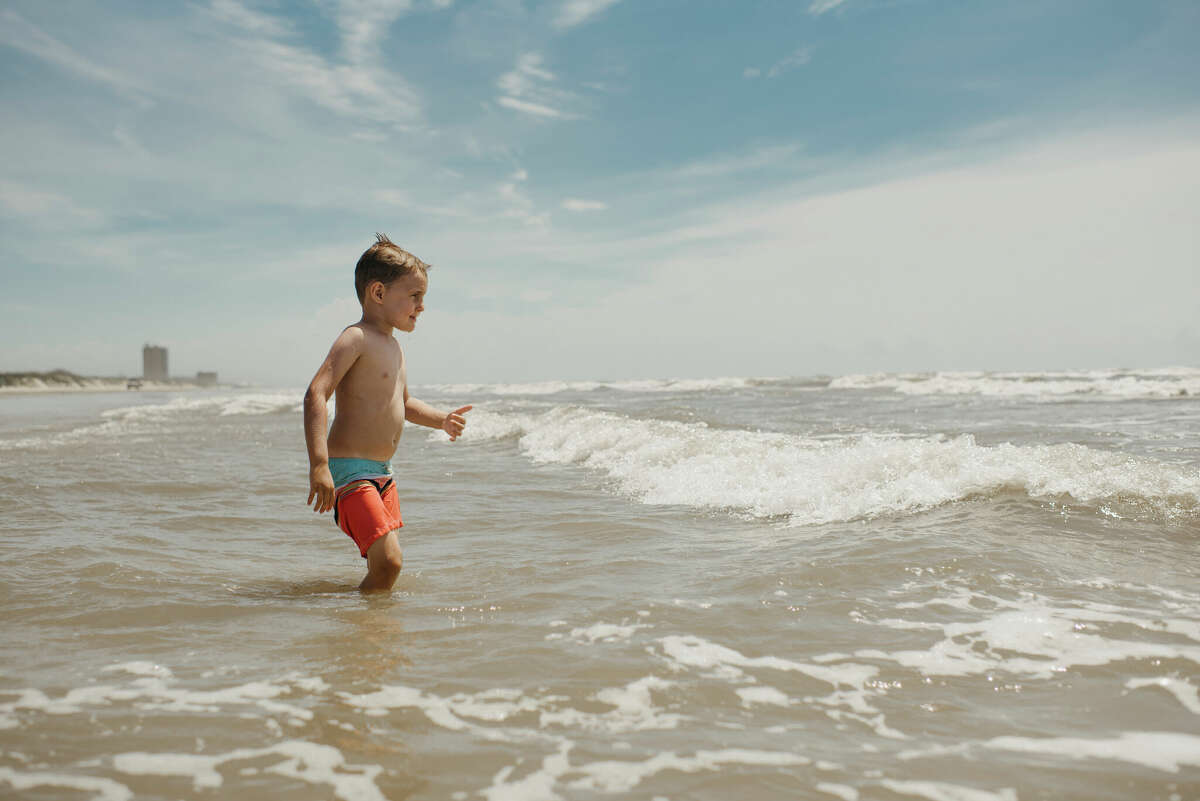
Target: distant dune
x=66 y=381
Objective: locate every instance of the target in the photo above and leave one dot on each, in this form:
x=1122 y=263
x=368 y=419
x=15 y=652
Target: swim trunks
x=367 y=506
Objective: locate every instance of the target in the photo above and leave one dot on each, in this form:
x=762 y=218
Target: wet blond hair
x=384 y=261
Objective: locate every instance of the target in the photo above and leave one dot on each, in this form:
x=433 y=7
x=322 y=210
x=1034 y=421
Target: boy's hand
x=320 y=486
x=455 y=422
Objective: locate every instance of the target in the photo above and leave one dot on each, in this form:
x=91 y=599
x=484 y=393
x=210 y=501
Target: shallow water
x=955 y=586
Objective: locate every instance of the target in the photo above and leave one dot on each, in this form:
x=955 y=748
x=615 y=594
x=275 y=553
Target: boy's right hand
x=320 y=487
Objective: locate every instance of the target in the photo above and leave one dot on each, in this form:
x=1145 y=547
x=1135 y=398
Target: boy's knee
x=385 y=555
x=393 y=561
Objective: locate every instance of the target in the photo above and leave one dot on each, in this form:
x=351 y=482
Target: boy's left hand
x=455 y=422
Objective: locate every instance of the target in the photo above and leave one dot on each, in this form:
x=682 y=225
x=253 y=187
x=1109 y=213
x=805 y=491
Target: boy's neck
x=376 y=324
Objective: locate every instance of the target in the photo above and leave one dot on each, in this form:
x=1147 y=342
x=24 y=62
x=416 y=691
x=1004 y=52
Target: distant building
x=206 y=379
x=154 y=363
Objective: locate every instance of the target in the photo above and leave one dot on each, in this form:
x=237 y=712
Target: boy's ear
x=375 y=290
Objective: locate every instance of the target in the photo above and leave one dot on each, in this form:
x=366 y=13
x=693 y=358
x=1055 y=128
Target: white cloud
x=1005 y=263
x=528 y=88
x=249 y=20
x=364 y=24
x=392 y=197
x=575 y=12
x=360 y=88
x=819 y=7
x=531 y=108
x=797 y=58
x=44 y=208
x=576 y=204
x=17 y=32
x=729 y=164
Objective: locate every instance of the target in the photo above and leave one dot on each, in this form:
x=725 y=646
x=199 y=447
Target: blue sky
x=606 y=188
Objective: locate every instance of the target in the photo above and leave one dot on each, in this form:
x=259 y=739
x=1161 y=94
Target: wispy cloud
x=44 y=207
x=819 y=7
x=577 y=204
x=518 y=205
x=756 y=159
x=359 y=88
x=19 y=33
x=364 y=23
x=529 y=88
x=797 y=58
x=249 y=20
x=576 y=12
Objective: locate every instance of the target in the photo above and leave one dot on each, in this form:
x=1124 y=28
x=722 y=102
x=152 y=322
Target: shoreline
x=98 y=385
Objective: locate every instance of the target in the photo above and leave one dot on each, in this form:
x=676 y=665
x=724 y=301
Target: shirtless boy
x=350 y=470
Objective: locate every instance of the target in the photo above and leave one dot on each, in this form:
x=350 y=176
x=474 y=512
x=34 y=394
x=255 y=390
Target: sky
x=606 y=189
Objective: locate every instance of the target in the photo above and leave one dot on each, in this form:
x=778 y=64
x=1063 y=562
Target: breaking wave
x=807 y=481
x=643 y=385
x=1169 y=382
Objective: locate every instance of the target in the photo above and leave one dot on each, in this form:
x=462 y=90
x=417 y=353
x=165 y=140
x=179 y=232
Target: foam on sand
x=312 y=763
x=100 y=789
x=1035 y=637
x=1184 y=691
x=808 y=481
x=1166 y=751
x=944 y=791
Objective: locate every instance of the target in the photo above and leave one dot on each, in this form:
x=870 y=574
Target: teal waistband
x=345 y=469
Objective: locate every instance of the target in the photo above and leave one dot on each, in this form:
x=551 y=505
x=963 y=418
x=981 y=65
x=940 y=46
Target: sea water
x=955 y=587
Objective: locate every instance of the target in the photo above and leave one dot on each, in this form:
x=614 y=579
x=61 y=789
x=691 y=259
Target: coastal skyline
x=605 y=189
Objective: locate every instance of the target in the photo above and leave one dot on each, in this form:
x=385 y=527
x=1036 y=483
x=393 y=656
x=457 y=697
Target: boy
x=349 y=472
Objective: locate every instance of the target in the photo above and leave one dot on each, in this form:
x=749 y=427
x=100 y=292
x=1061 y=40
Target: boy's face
x=404 y=299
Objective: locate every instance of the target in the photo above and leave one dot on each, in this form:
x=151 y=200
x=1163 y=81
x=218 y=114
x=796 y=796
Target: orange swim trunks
x=366 y=510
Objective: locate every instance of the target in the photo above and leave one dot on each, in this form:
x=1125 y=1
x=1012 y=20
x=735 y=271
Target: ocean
x=951 y=586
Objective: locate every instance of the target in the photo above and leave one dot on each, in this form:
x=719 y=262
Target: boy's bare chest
x=378 y=372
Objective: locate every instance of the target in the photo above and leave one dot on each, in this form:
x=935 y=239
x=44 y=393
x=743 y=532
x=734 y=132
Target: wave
x=1169 y=382
x=149 y=417
x=255 y=403
x=633 y=385
x=807 y=481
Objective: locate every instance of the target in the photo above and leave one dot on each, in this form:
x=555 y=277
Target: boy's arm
x=345 y=351
x=421 y=413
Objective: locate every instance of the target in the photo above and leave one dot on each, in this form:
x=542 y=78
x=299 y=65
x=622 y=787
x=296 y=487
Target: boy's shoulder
x=363 y=338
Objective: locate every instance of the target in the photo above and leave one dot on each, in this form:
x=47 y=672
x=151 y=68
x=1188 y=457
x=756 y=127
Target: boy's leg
x=384 y=560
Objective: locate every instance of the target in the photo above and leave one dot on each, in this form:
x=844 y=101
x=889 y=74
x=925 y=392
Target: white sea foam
x=621 y=776
x=762 y=695
x=1166 y=751
x=240 y=403
x=150 y=418
x=633 y=709
x=154 y=690
x=818 y=481
x=1036 y=638
x=140 y=668
x=1100 y=384
x=842 y=791
x=100 y=789
x=1184 y=691
x=848 y=700
x=606 y=632
x=944 y=791
x=654 y=385
x=312 y=763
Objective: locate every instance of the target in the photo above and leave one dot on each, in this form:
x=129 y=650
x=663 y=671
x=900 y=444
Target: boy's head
x=385 y=261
